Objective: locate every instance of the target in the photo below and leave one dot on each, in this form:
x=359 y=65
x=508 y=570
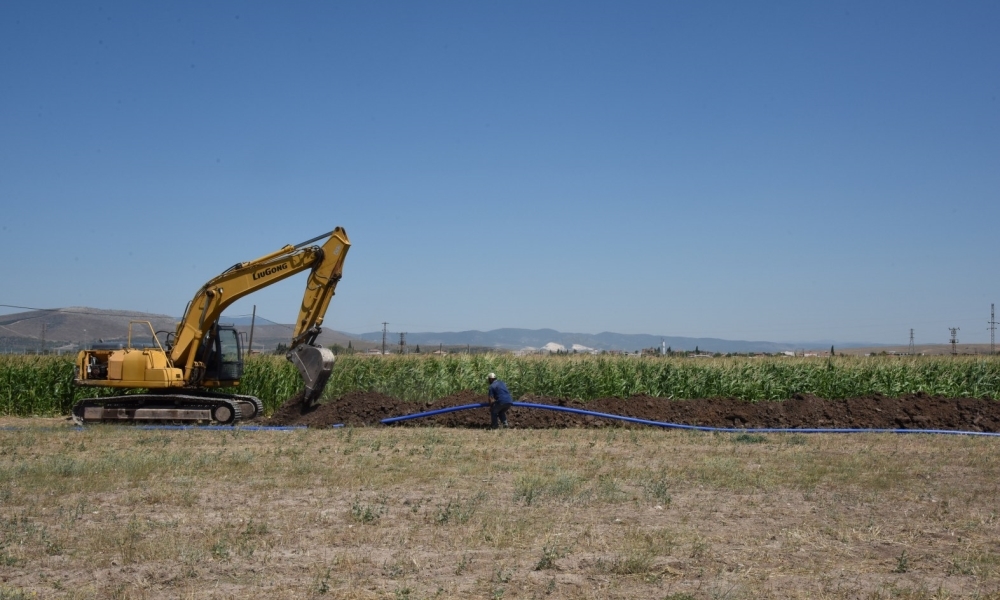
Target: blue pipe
x=46 y=428
x=182 y=427
x=431 y=413
x=234 y=427
x=748 y=429
x=590 y=413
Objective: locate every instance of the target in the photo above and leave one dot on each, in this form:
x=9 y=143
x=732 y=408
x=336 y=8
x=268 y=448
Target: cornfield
x=42 y=385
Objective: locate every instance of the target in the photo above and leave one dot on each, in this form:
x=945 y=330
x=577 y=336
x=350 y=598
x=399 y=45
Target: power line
x=28 y=307
x=103 y=313
x=129 y=313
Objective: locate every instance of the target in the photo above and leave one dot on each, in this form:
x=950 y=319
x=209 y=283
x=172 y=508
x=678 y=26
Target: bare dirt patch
x=916 y=411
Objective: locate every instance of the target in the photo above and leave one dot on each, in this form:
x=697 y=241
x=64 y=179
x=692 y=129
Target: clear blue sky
x=783 y=171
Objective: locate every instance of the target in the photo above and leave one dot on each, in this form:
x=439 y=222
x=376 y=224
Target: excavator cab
x=222 y=353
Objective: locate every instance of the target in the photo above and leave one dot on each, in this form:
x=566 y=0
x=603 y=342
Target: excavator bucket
x=315 y=364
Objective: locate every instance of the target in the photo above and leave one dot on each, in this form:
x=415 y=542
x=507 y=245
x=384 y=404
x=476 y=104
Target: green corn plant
x=42 y=385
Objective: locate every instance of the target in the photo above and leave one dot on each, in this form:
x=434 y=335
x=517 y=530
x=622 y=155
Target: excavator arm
x=314 y=362
x=242 y=279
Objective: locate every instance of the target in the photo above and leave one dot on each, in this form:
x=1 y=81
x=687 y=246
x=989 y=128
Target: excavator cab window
x=222 y=354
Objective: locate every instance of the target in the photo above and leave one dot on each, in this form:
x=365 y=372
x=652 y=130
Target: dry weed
x=120 y=512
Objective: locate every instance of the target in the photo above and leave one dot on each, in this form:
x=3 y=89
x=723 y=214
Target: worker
x=500 y=401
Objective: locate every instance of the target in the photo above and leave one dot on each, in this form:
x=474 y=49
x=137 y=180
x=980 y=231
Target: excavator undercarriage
x=171 y=408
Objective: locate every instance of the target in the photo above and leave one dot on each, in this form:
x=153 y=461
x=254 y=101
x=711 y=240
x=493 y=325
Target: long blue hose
x=181 y=427
x=591 y=413
x=226 y=427
x=431 y=413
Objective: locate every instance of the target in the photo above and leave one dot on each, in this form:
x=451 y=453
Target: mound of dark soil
x=918 y=411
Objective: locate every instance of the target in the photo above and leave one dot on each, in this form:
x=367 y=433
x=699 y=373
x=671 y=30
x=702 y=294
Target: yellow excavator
x=183 y=379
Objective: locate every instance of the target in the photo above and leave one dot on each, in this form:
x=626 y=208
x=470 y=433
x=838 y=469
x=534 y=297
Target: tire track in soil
x=802 y=411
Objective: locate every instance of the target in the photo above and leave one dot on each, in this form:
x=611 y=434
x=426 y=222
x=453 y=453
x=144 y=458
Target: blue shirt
x=498 y=392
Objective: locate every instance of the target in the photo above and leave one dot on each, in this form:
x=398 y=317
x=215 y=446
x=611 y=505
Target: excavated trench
x=917 y=411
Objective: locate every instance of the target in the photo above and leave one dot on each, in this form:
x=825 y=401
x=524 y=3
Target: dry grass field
x=424 y=512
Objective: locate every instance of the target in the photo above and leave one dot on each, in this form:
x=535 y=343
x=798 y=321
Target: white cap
x=491 y=376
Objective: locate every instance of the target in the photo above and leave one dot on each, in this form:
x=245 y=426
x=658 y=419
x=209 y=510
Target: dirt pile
x=918 y=411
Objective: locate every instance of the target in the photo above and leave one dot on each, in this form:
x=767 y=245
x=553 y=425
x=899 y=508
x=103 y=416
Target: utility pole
x=993 y=329
x=402 y=343
x=954 y=339
x=253 y=320
x=43 y=337
x=383 y=336
x=911 y=351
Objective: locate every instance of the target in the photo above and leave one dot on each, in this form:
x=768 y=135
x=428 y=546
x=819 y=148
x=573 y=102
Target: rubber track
x=184 y=401
x=253 y=400
x=241 y=397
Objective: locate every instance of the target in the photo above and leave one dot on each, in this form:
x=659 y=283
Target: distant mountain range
x=69 y=328
x=517 y=339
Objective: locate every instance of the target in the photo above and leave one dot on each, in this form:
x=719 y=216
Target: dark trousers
x=498 y=414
